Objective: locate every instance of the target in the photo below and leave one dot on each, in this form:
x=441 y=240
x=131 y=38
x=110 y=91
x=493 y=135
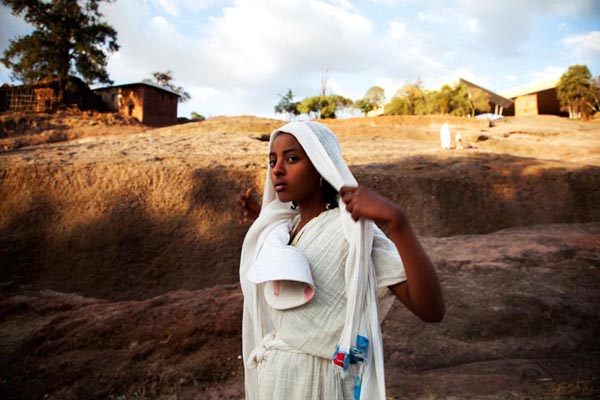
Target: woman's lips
x=280 y=186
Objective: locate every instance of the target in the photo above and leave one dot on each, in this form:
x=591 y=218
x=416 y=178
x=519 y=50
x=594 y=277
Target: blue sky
x=236 y=56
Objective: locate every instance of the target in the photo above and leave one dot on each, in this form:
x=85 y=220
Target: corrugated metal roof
x=495 y=98
x=151 y=84
x=530 y=88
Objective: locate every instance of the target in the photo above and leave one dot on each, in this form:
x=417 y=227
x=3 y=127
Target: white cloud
x=181 y=7
x=547 y=74
x=473 y=24
x=390 y=85
x=452 y=77
x=168 y=6
x=573 y=9
x=397 y=30
x=501 y=27
x=235 y=56
x=427 y=17
x=251 y=47
x=584 y=46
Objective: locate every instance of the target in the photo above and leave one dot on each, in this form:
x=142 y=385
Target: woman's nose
x=278 y=169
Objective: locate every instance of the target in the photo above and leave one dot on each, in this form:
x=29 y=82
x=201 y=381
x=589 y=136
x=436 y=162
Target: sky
x=237 y=57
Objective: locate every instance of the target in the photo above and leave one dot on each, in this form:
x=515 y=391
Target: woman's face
x=293 y=175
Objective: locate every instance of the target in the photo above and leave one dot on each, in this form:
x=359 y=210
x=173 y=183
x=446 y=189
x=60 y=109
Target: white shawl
x=323 y=149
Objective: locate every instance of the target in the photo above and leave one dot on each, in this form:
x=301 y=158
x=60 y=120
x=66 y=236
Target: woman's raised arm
x=421 y=292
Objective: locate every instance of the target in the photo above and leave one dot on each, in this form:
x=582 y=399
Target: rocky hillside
x=120 y=251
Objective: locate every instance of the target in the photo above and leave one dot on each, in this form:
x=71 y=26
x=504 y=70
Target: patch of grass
x=581 y=388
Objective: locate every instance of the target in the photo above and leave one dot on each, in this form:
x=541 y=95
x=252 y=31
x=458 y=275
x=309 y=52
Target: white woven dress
x=351 y=262
x=303 y=369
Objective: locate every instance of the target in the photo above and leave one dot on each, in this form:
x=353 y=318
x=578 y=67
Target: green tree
x=442 y=99
x=415 y=96
x=372 y=100
x=197 y=117
x=476 y=99
x=594 y=103
x=165 y=79
x=398 y=105
x=409 y=100
x=466 y=100
x=324 y=106
x=287 y=105
x=341 y=103
x=310 y=106
x=574 y=90
x=459 y=102
x=69 y=38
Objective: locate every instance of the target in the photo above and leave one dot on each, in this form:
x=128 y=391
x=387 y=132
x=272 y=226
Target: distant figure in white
x=445 y=136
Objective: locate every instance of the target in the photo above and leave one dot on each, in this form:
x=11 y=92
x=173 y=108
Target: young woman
x=318 y=275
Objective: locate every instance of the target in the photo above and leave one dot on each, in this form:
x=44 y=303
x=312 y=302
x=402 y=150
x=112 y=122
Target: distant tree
x=165 y=79
x=459 y=102
x=69 y=38
x=466 y=100
x=574 y=90
x=477 y=100
x=376 y=94
x=341 y=104
x=396 y=106
x=594 y=103
x=311 y=106
x=415 y=96
x=442 y=100
x=328 y=108
x=409 y=100
x=324 y=106
x=197 y=117
x=372 y=100
x=287 y=105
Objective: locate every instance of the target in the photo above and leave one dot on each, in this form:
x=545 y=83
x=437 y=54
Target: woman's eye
x=272 y=162
x=292 y=158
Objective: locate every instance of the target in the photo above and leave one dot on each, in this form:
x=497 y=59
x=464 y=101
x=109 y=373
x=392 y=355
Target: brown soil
x=30 y=129
x=120 y=251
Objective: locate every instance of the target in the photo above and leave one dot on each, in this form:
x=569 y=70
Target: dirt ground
x=120 y=247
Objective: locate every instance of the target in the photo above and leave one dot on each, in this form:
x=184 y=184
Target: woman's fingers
x=249 y=207
x=347 y=191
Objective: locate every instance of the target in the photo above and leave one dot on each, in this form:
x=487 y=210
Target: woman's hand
x=366 y=203
x=249 y=206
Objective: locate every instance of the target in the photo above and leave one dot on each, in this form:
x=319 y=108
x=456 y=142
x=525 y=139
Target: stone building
x=151 y=104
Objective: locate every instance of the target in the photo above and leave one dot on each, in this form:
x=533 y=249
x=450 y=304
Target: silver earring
x=321 y=182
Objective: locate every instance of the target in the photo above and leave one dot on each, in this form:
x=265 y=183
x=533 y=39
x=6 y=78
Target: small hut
x=151 y=104
x=45 y=95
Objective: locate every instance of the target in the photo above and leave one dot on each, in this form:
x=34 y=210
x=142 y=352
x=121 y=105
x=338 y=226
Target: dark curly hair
x=330 y=194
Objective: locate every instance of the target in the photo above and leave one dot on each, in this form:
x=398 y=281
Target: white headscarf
x=323 y=149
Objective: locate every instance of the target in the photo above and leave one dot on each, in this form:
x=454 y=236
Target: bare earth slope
x=119 y=257
x=522 y=320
